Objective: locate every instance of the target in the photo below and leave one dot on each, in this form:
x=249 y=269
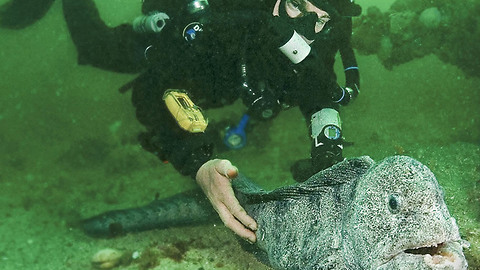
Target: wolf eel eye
x=394 y=203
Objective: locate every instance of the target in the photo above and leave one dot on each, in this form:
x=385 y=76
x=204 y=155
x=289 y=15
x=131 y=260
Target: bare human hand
x=214 y=177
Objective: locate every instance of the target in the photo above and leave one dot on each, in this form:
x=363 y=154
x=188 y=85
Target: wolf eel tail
x=189 y=208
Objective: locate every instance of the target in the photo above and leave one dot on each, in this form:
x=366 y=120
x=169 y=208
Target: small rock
x=107 y=258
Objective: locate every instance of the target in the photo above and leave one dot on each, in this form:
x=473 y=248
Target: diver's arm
x=352 y=74
x=186 y=152
x=118 y=49
x=191 y=154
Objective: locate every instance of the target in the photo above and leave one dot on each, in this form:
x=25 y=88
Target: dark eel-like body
x=187 y=208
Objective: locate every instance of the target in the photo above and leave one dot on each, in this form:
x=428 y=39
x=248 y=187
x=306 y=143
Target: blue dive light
x=235 y=137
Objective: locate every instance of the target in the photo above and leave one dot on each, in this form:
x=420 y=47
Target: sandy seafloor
x=68 y=150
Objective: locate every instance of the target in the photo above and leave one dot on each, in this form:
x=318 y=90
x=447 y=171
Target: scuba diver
x=271 y=54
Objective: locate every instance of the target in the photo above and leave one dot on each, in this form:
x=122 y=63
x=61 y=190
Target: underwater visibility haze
x=69 y=145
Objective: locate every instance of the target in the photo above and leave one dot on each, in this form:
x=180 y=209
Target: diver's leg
x=117 y=49
x=18 y=14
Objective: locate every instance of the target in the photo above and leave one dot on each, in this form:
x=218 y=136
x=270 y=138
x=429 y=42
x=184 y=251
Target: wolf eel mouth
x=439 y=255
x=431 y=250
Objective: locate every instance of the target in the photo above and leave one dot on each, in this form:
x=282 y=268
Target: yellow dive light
x=186 y=113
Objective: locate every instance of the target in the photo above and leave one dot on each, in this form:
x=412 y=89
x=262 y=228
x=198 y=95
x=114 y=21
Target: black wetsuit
x=207 y=68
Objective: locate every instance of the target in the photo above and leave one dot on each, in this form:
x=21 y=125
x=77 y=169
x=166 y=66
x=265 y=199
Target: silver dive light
x=326 y=124
x=153 y=22
x=327 y=143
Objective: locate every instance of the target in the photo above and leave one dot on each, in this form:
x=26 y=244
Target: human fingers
x=225 y=168
x=238 y=212
x=230 y=200
x=233 y=224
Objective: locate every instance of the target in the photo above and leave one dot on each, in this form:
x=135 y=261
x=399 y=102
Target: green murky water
x=68 y=149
